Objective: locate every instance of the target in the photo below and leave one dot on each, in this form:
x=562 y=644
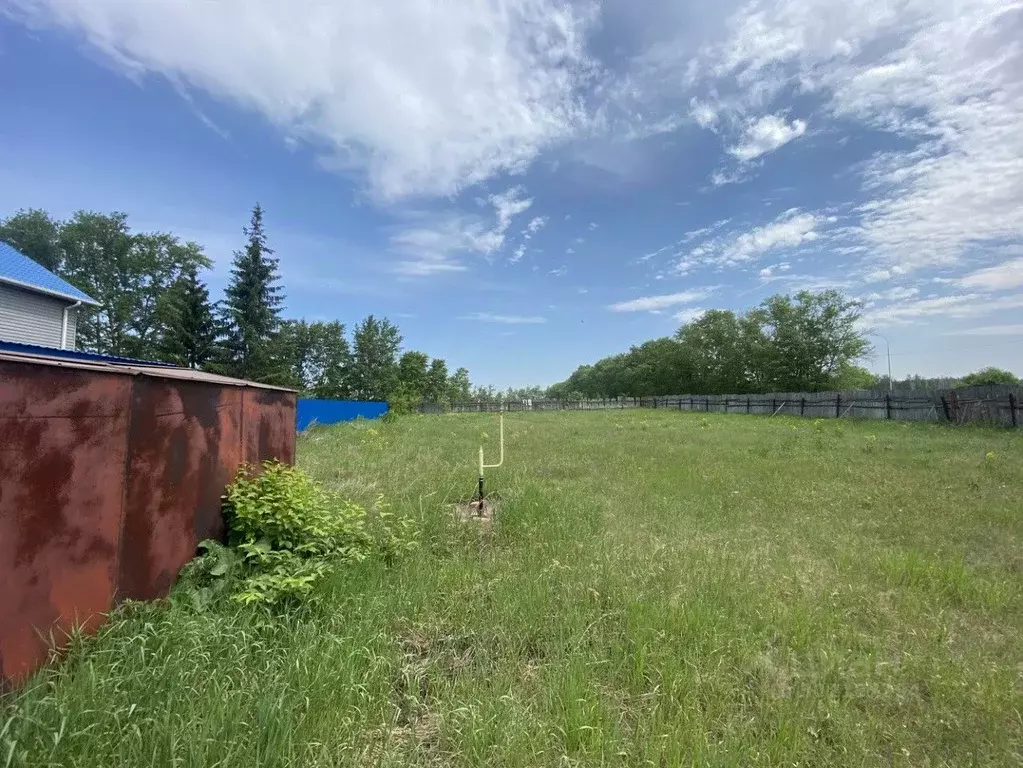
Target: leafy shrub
x=402 y=402
x=286 y=532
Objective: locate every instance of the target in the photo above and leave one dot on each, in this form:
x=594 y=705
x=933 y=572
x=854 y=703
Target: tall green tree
x=719 y=348
x=97 y=252
x=810 y=340
x=129 y=274
x=436 y=382
x=33 y=232
x=332 y=362
x=375 y=369
x=251 y=311
x=319 y=358
x=459 y=386
x=413 y=373
x=189 y=322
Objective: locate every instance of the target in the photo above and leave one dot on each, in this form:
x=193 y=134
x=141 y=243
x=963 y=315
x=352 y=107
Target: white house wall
x=32 y=318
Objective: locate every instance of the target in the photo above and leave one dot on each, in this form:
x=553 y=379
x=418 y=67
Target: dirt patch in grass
x=475 y=511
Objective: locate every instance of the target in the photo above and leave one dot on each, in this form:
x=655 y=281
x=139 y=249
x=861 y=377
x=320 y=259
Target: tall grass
x=658 y=589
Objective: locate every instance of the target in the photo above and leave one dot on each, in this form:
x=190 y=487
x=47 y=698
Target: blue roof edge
x=25 y=273
x=78 y=354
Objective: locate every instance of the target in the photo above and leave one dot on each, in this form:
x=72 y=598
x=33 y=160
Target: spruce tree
x=190 y=326
x=252 y=310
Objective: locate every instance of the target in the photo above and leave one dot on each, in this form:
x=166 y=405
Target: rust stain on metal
x=269 y=426
x=61 y=465
x=185 y=448
x=109 y=478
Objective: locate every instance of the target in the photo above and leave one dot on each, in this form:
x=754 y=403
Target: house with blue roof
x=36 y=306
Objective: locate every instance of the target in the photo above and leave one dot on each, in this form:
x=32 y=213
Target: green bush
x=402 y=402
x=286 y=532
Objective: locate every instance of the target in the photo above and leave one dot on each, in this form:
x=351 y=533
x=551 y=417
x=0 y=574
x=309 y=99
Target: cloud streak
x=664 y=301
x=998 y=278
x=789 y=231
x=489 y=317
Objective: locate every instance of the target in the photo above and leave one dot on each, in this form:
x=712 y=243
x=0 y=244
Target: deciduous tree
x=376 y=345
x=36 y=235
x=128 y=274
x=990 y=376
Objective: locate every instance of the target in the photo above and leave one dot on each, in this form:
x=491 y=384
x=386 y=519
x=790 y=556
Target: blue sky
x=527 y=186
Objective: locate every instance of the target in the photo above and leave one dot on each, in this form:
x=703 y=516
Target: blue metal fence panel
x=336 y=411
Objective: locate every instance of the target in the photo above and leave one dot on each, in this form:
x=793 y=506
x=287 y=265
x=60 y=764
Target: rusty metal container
x=110 y=476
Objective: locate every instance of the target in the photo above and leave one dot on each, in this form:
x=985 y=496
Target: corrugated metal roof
x=155 y=370
x=18 y=269
x=19 y=348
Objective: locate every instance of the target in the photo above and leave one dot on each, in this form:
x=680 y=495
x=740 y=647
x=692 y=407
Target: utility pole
x=888 y=348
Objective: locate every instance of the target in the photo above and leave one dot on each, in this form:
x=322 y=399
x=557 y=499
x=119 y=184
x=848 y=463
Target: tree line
x=156 y=306
x=804 y=343
x=810 y=342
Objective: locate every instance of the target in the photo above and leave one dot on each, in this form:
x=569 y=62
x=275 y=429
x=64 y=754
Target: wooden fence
x=996 y=405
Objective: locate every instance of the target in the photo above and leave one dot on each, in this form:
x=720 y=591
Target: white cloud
x=507 y=206
x=1006 y=275
x=653 y=303
x=766 y=135
x=790 y=230
x=703 y=113
x=582 y=291
x=990 y=330
x=536 y=224
x=593 y=225
x=955 y=306
x=652 y=254
x=489 y=317
x=558 y=272
x=570 y=251
x=893 y=294
x=943 y=77
x=423 y=97
x=433 y=244
x=517 y=255
x=877 y=276
x=721 y=178
x=690 y=315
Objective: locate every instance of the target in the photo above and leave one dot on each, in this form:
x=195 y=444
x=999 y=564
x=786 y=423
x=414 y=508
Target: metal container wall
x=110 y=476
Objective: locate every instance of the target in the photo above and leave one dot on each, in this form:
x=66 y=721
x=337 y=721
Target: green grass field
x=659 y=589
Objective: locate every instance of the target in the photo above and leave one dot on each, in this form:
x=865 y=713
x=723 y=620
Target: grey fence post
x=802 y=406
x=888 y=406
x=944 y=407
x=747 y=405
x=838 y=406
x=706 y=404
x=1012 y=408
